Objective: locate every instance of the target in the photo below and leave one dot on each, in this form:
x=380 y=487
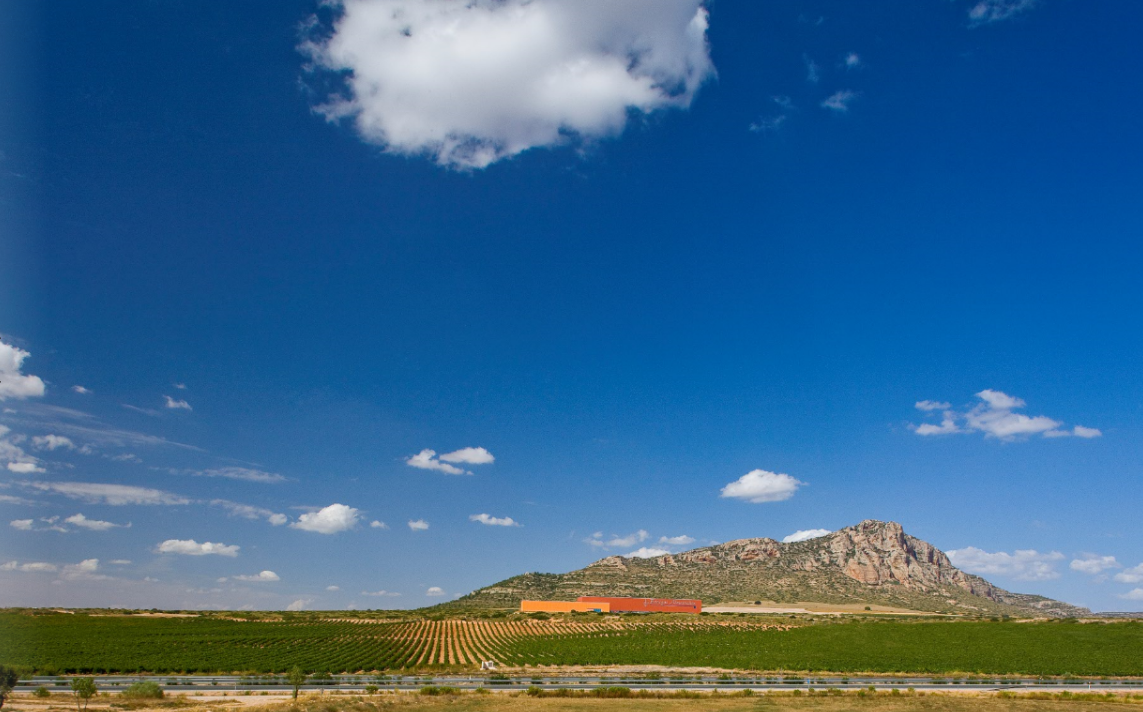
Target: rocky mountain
x=869 y=563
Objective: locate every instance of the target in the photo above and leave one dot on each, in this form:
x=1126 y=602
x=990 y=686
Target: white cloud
x=681 y=540
x=762 y=486
x=328 y=520
x=81 y=390
x=616 y=541
x=96 y=493
x=24 y=525
x=176 y=404
x=927 y=405
x=190 y=547
x=387 y=594
x=24 y=468
x=805 y=534
x=32 y=567
x=300 y=604
x=261 y=577
x=998 y=400
x=13 y=383
x=1094 y=564
x=14 y=456
x=245 y=474
x=333 y=588
x=1131 y=575
x=472 y=83
x=769 y=124
x=95 y=525
x=52 y=442
x=247 y=511
x=1135 y=594
x=1023 y=564
x=494 y=521
x=839 y=101
x=995 y=417
x=426 y=460
x=180 y=386
x=83 y=571
x=435 y=591
x=120 y=562
x=418 y=525
x=469 y=456
x=852 y=60
x=948 y=425
x=647 y=552
x=988 y=11
x=378 y=524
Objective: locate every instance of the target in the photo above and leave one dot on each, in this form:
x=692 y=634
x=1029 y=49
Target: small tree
x=296 y=677
x=8 y=679
x=84 y=689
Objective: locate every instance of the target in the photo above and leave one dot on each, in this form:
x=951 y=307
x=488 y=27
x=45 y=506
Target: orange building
x=646 y=605
x=565 y=606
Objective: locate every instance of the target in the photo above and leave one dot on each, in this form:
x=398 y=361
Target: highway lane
x=357 y=683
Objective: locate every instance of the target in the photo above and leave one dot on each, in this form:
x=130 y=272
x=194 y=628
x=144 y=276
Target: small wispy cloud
x=647 y=552
x=489 y=520
x=839 y=101
x=176 y=404
x=245 y=474
x=418 y=525
x=813 y=70
x=190 y=547
x=852 y=61
x=427 y=460
x=616 y=541
x=261 y=577
x=986 y=12
x=995 y=416
x=247 y=511
x=1022 y=564
x=1094 y=564
x=99 y=493
x=805 y=535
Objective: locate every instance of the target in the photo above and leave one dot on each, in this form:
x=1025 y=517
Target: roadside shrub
x=42 y=691
x=371 y=689
x=436 y=690
x=148 y=690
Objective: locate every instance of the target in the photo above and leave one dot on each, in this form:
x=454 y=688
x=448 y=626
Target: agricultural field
x=67 y=643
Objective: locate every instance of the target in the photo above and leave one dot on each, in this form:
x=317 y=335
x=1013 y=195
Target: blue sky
x=669 y=274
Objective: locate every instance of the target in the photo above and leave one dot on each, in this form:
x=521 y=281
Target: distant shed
x=646 y=605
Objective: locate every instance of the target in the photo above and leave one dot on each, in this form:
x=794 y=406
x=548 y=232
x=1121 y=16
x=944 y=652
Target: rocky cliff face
x=871 y=562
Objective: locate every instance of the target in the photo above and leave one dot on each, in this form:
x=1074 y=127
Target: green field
x=1050 y=648
x=59 y=643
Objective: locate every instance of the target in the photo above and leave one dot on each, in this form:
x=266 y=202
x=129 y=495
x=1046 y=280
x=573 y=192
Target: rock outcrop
x=870 y=562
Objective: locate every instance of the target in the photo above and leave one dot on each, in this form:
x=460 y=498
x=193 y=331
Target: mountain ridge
x=872 y=562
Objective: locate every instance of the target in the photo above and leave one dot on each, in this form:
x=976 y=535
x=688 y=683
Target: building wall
x=648 y=605
x=565 y=606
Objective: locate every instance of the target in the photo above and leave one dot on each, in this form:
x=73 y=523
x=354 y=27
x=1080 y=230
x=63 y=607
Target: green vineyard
x=59 y=643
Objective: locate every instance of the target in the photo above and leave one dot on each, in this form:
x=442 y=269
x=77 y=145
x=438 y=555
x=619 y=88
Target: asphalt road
x=357 y=683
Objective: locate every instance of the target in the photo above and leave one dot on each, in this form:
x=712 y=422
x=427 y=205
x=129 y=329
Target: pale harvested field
x=829 y=609
x=519 y=702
